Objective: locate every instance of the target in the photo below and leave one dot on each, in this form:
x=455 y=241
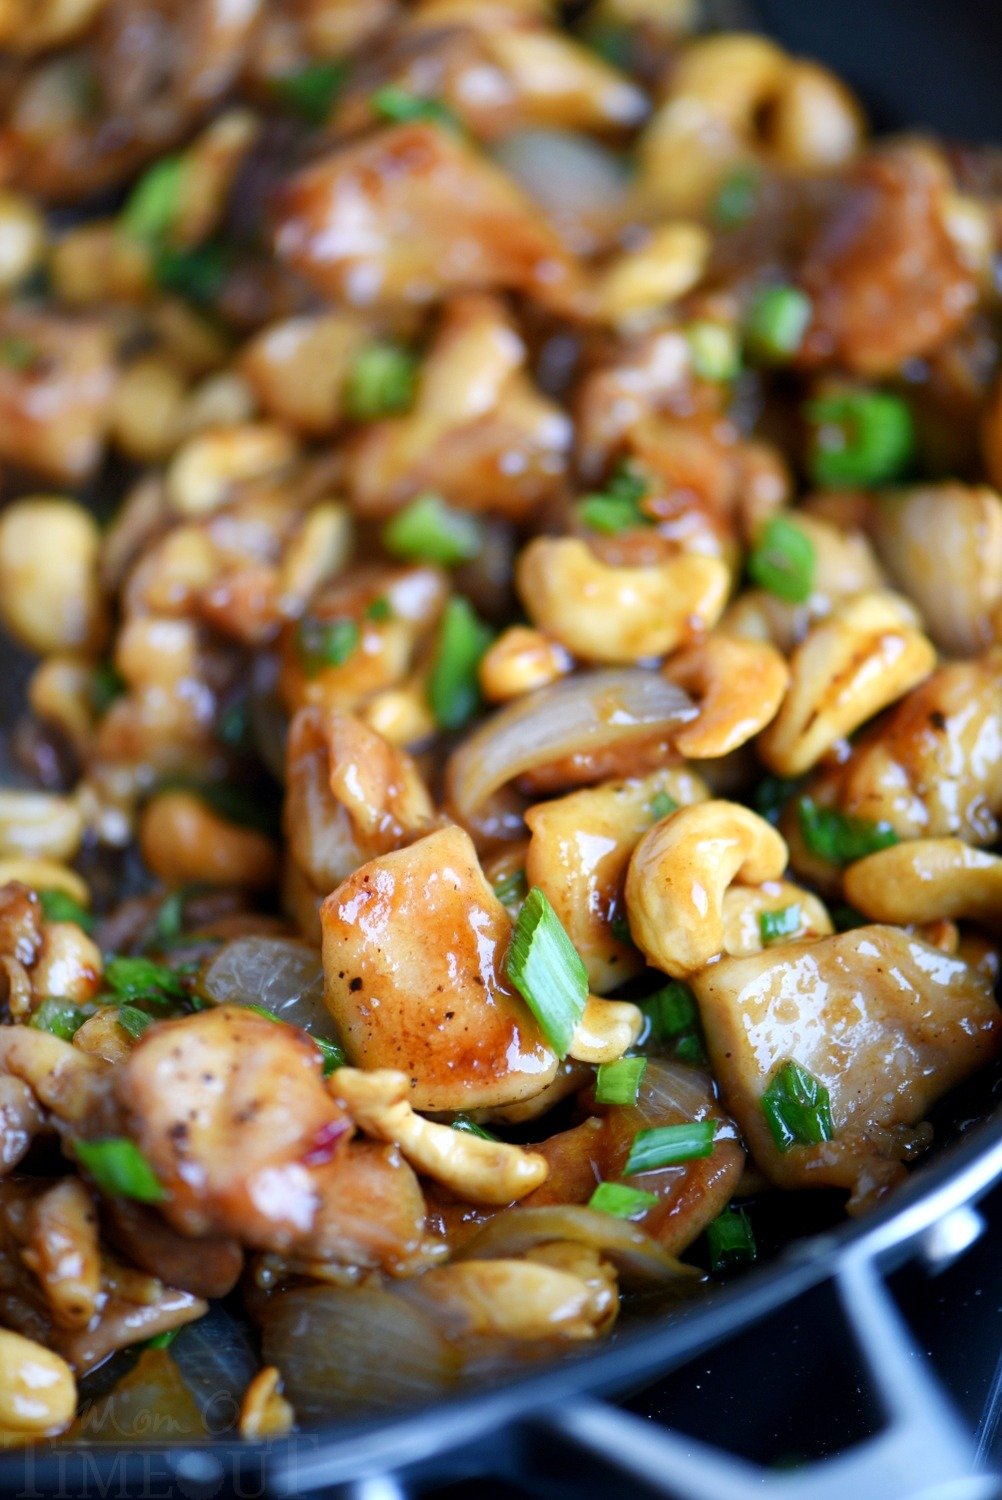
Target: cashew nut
x=678 y=875
x=45 y=875
x=38 y=823
x=866 y=655
x=739 y=686
x=924 y=880
x=606 y=1030
x=744 y=905
x=264 y=1411
x=183 y=840
x=517 y=1299
x=520 y=660
x=64 y=1253
x=38 y=1394
x=49 y=595
x=612 y=614
x=474 y=1169
x=69 y=964
x=642 y=281
x=204 y=471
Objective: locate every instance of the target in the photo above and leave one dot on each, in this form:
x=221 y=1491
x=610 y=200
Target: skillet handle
x=922 y=1453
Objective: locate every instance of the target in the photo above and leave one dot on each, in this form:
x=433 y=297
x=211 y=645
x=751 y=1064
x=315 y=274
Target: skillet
x=912 y=61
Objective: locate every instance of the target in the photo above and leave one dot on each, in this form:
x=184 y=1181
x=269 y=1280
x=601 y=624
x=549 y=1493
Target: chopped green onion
x=154 y=201
x=546 y=969
x=619 y=926
x=619 y=1082
x=713 y=349
x=621 y=1201
x=453 y=687
x=106 y=684
x=199 y=274
x=310 y=92
x=59 y=1018
x=379 y=610
x=119 y=1167
x=690 y=1049
x=169 y=921
x=661 y=805
x=611 y=40
x=783 y=560
x=736 y=200
x=669 y=1145
x=428 y=530
x=133 y=1020
x=470 y=1127
x=775 y=324
x=846 y=917
x=672 y=1011
x=161 y=1340
x=797 y=1108
x=838 y=838
x=511 y=889
x=730 y=1239
x=142 y=979
x=325 y=643
x=382 y=382
x=781 y=923
x=772 y=794
x=402 y=107
x=17 y=353
x=57 y=906
x=859 y=438
x=617 y=507
x=332 y=1054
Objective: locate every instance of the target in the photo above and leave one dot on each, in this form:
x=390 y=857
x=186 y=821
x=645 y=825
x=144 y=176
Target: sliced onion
x=564 y=172
x=640 y=1260
x=281 y=974
x=346 y=1349
x=587 y=713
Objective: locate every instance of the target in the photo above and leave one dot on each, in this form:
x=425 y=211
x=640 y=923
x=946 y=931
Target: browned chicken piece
x=885 y=1022
x=932 y=767
x=480 y=434
x=690 y=1195
x=414 y=951
x=886 y=280
x=209 y=1266
x=56 y=384
x=371 y=1213
x=71 y=1086
x=411 y=213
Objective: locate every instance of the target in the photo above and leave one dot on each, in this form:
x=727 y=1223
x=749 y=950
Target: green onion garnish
x=511 y=889
x=838 y=838
x=58 y=1017
x=797 y=1108
x=379 y=610
x=428 y=530
x=199 y=274
x=142 y=979
x=402 y=108
x=713 y=349
x=17 y=353
x=674 y=1020
x=772 y=794
x=669 y=1145
x=620 y=1201
x=619 y=1082
x=781 y=923
x=119 y=1167
x=619 y=926
x=154 y=201
x=783 y=560
x=106 y=684
x=325 y=643
x=57 y=906
x=736 y=200
x=730 y=1239
x=161 y=1340
x=453 y=688
x=310 y=92
x=859 y=438
x=332 y=1054
x=617 y=507
x=546 y=969
x=845 y=917
x=381 y=382
x=470 y=1127
x=133 y=1020
x=661 y=805
x=775 y=324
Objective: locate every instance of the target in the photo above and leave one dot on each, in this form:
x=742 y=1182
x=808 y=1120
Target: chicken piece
x=62 y=366
x=64 y=1254
x=886 y=280
x=207 y=1267
x=480 y=434
x=371 y=1213
x=885 y=1022
x=412 y=212
x=21 y=1120
x=231 y=1111
x=413 y=947
x=932 y=767
x=578 y=854
x=72 y=1086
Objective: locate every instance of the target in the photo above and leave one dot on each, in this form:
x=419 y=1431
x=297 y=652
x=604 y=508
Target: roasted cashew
x=865 y=656
x=739 y=686
x=743 y=905
x=678 y=875
x=476 y=1170
x=639 y=283
x=264 y=1411
x=38 y=1393
x=611 y=614
x=606 y=1030
x=64 y=1253
x=520 y=660
x=924 y=880
x=517 y=1299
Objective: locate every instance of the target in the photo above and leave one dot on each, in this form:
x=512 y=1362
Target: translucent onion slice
x=357 y=1348
x=280 y=974
x=641 y=1261
x=565 y=172
x=583 y=715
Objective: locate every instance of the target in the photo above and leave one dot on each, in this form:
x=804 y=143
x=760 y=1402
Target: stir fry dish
x=503 y=751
